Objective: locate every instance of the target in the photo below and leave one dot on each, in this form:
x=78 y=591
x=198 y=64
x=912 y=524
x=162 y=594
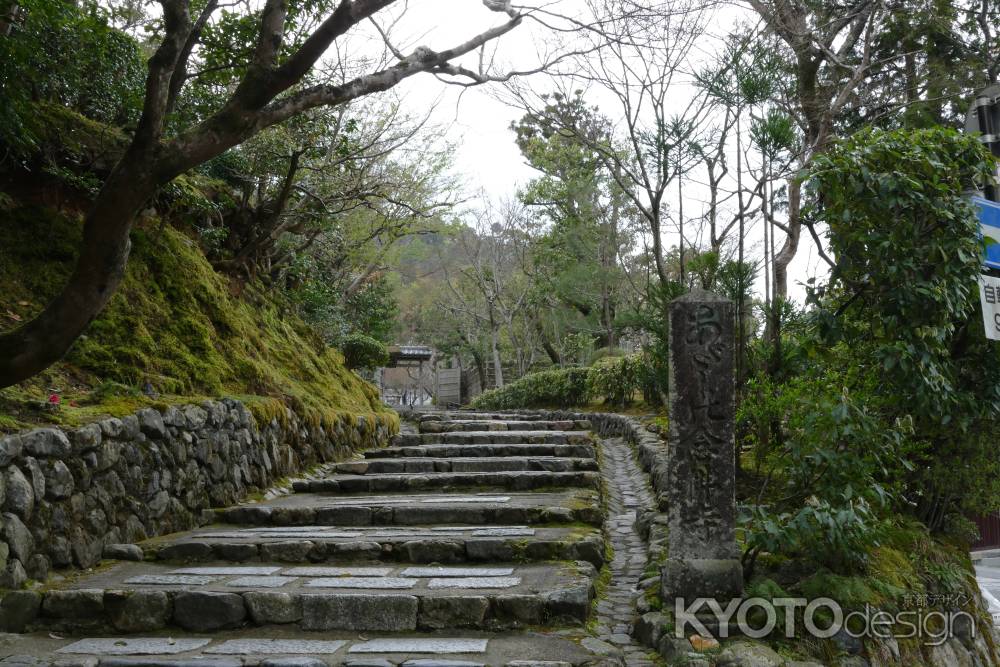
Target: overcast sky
x=478 y=122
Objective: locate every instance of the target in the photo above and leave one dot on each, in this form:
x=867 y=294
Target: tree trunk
x=31 y=348
x=495 y=349
x=785 y=256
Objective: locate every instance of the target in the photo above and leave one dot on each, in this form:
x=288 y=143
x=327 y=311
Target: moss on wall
x=173 y=324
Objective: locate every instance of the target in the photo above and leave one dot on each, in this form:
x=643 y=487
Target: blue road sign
x=989 y=227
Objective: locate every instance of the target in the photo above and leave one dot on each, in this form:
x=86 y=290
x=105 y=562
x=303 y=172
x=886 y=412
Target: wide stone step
x=439 y=450
x=233 y=648
x=508 y=424
x=413 y=544
x=464 y=464
x=569 y=506
x=515 y=481
x=481 y=415
x=141 y=597
x=494 y=438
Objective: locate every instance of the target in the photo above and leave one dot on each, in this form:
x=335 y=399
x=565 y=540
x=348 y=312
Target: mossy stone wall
x=67 y=494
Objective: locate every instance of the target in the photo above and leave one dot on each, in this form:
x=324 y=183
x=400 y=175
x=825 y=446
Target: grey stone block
x=204 y=611
x=293 y=661
x=277 y=646
x=186 y=551
x=18 y=537
x=132 y=552
x=25 y=661
x=292 y=551
x=459 y=611
x=19 y=496
x=359 y=612
x=10 y=449
x=13 y=576
x=46 y=442
x=433 y=551
x=137 y=611
x=420 y=645
x=237 y=553
x=81 y=606
x=518 y=609
x=568 y=604
x=59 y=482
x=18 y=610
x=746 y=653
x=273 y=607
x=151 y=423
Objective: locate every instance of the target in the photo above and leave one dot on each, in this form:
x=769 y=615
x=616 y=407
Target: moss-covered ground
x=174 y=332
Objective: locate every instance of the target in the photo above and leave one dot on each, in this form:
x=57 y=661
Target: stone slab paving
x=468 y=451
x=135 y=646
x=521 y=480
x=250 y=647
x=415 y=544
x=494 y=437
x=429 y=464
x=276 y=646
x=550 y=506
x=523 y=579
x=478 y=425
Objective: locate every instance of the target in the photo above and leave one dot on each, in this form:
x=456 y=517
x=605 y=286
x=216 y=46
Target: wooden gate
x=449 y=387
x=989 y=531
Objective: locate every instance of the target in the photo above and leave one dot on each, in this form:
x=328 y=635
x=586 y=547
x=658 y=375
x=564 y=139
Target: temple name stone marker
x=703 y=557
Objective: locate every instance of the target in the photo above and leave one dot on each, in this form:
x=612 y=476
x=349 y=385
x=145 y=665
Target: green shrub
x=361 y=351
x=560 y=388
x=617 y=379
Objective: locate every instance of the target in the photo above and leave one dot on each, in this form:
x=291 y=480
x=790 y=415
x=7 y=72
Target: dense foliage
x=561 y=388
x=361 y=351
x=888 y=386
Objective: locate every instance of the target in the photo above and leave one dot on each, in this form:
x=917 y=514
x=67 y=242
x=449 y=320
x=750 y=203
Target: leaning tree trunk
x=28 y=350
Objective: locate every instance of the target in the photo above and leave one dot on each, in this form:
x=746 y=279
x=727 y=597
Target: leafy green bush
x=829 y=472
x=67 y=53
x=560 y=388
x=617 y=379
x=361 y=351
x=903 y=299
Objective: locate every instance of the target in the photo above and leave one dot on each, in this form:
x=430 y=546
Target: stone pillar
x=703 y=560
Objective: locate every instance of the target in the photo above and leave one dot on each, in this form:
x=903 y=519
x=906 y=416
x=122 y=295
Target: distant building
x=417 y=375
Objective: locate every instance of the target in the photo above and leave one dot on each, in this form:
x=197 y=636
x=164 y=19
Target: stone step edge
x=526 y=480
x=493 y=425
x=142 y=610
x=403 y=515
x=443 y=450
x=366 y=659
x=447 y=464
x=590 y=547
x=494 y=438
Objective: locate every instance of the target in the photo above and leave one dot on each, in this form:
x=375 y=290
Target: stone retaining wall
x=66 y=495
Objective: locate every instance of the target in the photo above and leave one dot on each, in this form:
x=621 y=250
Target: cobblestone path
x=475 y=539
x=628 y=491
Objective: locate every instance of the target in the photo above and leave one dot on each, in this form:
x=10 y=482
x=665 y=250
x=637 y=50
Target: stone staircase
x=475 y=539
